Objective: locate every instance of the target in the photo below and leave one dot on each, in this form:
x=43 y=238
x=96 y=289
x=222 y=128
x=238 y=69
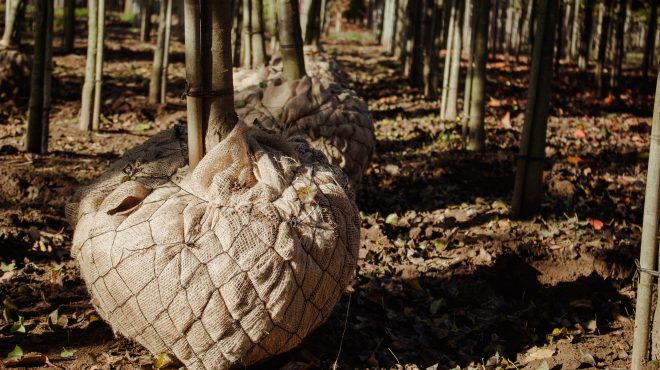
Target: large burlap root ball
x=317 y=64
x=14 y=71
x=226 y=265
x=335 y=120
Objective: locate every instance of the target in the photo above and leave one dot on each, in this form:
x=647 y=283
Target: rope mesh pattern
x=334 y=119
x=229 y=264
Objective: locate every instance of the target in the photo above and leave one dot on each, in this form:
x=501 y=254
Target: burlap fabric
x=334 y=119
x=226 y=265
x=317 y=64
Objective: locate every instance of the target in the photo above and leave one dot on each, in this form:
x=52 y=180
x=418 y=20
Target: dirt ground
x=446 y=277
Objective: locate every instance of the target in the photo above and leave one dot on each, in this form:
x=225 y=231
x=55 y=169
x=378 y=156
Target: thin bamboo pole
x=36 y=103
x=88 y=86
x=48 y=73
x=649 y=247
x=166 y=52
x=98 y=81
x=194 y=82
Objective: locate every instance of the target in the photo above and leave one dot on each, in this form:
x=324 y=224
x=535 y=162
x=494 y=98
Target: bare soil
x=447 y=278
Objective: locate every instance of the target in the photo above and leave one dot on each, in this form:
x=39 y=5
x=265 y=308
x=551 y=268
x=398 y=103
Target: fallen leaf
x=7 y=267
x=596 y=223
x=573 y=159
x=579 y=133
x=17 y=352
x=539 y=353
x=67 y=353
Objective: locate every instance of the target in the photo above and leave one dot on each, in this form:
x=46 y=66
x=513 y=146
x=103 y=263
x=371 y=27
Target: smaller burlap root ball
x=334 y=120
x=317 y=64
x=14 y=71
x=226 y=265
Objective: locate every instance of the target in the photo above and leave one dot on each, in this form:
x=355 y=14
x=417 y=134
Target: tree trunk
x=469 y=73
x=48 y=77
x=649 y=251
x=88 y=86
x=310 y=22
x=559 y=39
x=401 y=31
x=618 y=48
x=474 y=125
x=194 y=76
x=166 y=51
x=145 y=20
x=15 y=14
x=575 y=29
x=602 y=48
x=98 y=82
x=155 y=83
x=430 y=51
x=494 y=22
x=219 y=115
x=451 y=28
x=236 y=31
x=454 y=73
x=35 y=125
x=290 y=40
x=257 y=39
x=649 y=44
x=528 y=188
x=416 y=67
x=69 y=26
x=587 y=28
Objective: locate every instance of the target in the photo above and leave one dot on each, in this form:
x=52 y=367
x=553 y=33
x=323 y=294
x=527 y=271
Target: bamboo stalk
x=455 y=68
x=155 y=83
x=649 y=247
x=166 y=52
x=194 y=82
x=88 y=85
x=290 y=39
x=448 y=56
x=221 y=115
x=98 y=81
x=48 y=73
x=36 y=103
x=528 y=189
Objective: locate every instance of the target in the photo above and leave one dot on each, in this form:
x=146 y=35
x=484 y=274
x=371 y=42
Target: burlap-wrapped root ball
x=334 y=119
x=317 y=64
x=226 y=265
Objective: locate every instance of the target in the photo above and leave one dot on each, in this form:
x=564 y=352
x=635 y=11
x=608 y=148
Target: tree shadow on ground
x=468 y=315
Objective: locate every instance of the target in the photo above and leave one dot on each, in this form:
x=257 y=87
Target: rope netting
x=229 y=264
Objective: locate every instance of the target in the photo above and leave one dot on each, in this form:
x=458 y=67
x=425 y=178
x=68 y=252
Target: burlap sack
x=334 y=119
x=230 y=264
x=317 y=64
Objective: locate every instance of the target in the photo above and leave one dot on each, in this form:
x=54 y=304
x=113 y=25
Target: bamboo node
x=200 y=93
